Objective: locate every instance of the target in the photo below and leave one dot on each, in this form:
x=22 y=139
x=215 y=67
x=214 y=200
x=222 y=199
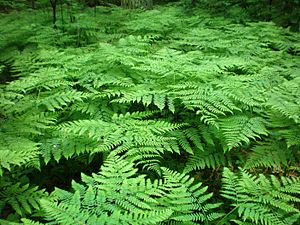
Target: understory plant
x=158 y=116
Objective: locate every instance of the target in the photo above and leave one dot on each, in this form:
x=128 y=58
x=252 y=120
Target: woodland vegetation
x=149 y=112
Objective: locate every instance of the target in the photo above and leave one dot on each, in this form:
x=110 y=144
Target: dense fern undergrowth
x=158 y=116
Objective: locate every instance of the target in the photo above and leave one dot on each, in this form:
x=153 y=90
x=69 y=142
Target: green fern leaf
x=22 y=198
x=17 y=151
x=259 y=200
x=118 y=193
x=240 y=129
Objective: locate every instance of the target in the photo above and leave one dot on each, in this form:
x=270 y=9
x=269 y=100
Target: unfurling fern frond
x=262 y=200
x=118 y=195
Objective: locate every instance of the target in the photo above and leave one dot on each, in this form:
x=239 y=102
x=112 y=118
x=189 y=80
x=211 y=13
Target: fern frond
x=7 y=100
x=208 y=158
x=125 y=133
x=118 y=193
x=184 y=209
x=64 y=214
x=30 y=222
x=67 y=147
x=29 y=123
x=140 y=94
x=44 y=79
x=248 y=90
x=153 y=21
x=22 y=198
x=284 y=99
x=208 y=102
x=60 y=99
x=259 y=199
x=270 y=155
x=240 y=129
x=17 y=151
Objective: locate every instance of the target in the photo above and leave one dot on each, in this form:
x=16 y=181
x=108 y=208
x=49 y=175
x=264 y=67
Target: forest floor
x=158 y=93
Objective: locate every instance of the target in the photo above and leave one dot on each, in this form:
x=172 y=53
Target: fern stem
x=227 y=215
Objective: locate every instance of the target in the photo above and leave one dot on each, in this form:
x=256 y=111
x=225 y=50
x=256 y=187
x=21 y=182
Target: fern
x=118 y=195
x=271 y=155
x=24 y=199
x=29 y=222
x=207 y=102
x=285 y=99
x=43 y=79
x=238 y=129
x=197 y=196
x=55 y=148
x=163 y=22
x=209 y=158
x=167 y=90
x=248 y=90
x=147 y=98
x=140 y=140
x=261 y=200
x=17 y=151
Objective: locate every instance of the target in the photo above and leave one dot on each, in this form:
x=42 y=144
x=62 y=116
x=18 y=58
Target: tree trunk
x=33 y=4
x=53 y=4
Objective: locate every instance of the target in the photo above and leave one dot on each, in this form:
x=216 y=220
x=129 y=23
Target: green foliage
x=237 y=129
x=7 y=5
x=272 y=155
x=18 y=151
x=22 y=198
x=283 y=12
x=117 y=194
x=152 y=103
x=261 y=200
